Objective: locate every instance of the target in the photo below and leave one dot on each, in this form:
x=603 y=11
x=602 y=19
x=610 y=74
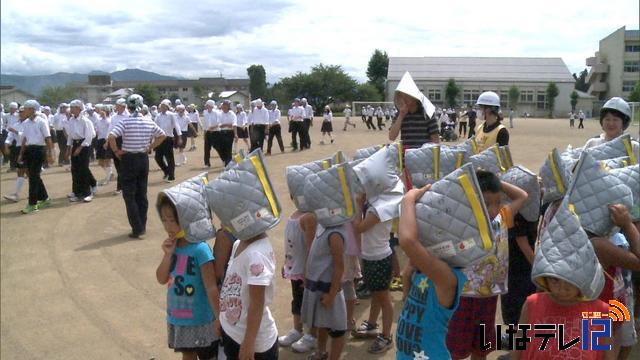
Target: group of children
x=444 y=306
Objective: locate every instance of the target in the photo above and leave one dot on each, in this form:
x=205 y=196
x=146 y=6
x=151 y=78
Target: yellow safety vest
x=487 y=139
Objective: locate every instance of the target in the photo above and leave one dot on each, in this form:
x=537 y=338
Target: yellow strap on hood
x=459 y=161
x=325 y=164
x=477 y=210
x=556 y=173
x=257 y=164
x=627 y=145
x=345 y=191
x=436 y=162
x=400 y=155
x=496 y=150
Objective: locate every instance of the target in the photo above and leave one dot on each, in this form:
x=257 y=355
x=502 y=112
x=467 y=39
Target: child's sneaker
x=12 y=197
x=74 y=199
x=293 y=336
x=87 y=198
x=380 y=345
x=365 y=331
x=29 y=209
x=305 y=344
x=43 y=203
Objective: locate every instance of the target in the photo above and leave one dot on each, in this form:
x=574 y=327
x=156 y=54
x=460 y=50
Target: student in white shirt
x=211 y=130
x=35 y=134
x=242 y=131
x=90 y=113
x=186 y=127
x=347 y=117
x=327 y=126
x=295 y=124
x=194 y=117
x=227 y=132
x=80 y=134
x=259 y=125
x=15 y=135
x=307 y=123
x=166 y=120
x=274 y=127
x=102 y=148
x=10 y=120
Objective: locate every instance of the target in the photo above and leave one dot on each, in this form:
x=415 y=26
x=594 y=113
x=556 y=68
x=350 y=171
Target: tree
x=257 y=81
x=635 y=94
x=451 y=92
x=514 y=96
x=574 y=100
x=54 y=95
x=325 y=84
x=148 y=92
x=581 y=81
x=377 y=69
x=552 y=93
x=367 y=92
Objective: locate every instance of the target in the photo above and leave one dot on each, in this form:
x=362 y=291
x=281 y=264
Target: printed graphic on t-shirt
x=409 y=335
x=230 y=299
x=181 y=293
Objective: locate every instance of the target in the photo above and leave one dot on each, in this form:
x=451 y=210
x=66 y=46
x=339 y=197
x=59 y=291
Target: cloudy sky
x=207 y=38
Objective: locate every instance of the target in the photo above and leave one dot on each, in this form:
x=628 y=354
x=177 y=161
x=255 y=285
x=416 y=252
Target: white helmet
x=618 y=104
x=488 y=98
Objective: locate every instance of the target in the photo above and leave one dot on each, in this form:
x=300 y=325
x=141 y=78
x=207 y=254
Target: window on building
x=185 y=89
x=526 y=96
x=434 y=95
x=469 y=97
x=628 y=86
x=162 y=89
x=632 y=66
x=541 y=101
x=632 y=48
x=173 y=89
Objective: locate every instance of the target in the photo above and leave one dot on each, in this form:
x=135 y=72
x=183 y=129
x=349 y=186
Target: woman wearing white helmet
x=490 y=131
x=615 y=117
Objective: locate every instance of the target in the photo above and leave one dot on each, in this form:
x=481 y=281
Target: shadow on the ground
x=108 y=242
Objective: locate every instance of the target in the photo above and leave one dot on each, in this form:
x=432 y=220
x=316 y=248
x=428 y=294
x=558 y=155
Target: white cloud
x=193 y=38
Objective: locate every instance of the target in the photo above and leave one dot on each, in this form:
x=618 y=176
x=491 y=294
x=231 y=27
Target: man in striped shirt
x=136 y=133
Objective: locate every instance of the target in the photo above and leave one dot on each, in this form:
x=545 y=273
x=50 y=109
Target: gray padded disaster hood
x=489 y=160
x=377 y=173
x=555 y=177
x=432 y=162
x=329 y=194
x=565 y=252
x=189 y=199
x=453 y=222
x=366 y=152
x=591 y=192
x=623 y=145
x=630 y=176
x=526 y=180
x=243 y=198
x=296 y=175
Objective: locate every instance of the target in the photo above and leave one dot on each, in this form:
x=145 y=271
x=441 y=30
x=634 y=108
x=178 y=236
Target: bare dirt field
x=74 y=286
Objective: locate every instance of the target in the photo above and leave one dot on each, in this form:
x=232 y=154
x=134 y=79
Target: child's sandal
x=317 y=355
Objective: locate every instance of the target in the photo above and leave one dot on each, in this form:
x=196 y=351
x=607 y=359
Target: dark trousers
x=82 y=179
x=275 y=131
x=380 y=124
x=520 y=286
x=580 y=125
x=135 y=174
x=369 y=123
x=210 y=138
x=232 y=350
x=164 y=152
x=224 y=145
x=13 y=156
x=116 y=163
x=62 y=146
x=305 y=139
x=34 y=157
x=295 y=128
x=257 y=136
x=472 y=129
x=92 y=149
x=463 y=125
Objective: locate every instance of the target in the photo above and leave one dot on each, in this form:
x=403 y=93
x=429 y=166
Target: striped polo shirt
x=136 y=133
x=416 y=129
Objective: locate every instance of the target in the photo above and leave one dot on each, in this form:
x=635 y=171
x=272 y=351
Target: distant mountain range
x=35 y=84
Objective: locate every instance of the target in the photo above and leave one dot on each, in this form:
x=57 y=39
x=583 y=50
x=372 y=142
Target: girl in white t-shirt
x=242 y=128
x=248 y=329
x=376 y=257
x=327 y=126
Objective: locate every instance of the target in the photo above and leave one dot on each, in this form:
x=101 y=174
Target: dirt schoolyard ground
x=74 y=286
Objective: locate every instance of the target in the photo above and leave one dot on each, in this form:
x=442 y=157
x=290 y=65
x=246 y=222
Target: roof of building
x=632 y=33
x=5 y=90
x=226 y=94
x=122 y=92
x=498 y=69
x=185 y=83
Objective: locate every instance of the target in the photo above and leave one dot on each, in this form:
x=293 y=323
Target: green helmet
x=135 y=102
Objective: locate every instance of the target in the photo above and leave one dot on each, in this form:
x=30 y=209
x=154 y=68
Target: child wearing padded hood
x=192 y=294
x=488 y=278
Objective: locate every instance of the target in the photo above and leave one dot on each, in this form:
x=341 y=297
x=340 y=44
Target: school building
x=615 y=67
x=473 y=75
